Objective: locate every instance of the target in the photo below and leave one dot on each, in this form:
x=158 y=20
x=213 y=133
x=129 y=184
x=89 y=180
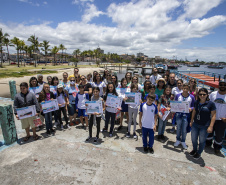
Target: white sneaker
x=184 y=145
x=68 y=126
x=177 y=143
x=55 y=125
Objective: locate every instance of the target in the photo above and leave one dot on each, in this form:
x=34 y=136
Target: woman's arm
x=213 y=117
x=192 y=117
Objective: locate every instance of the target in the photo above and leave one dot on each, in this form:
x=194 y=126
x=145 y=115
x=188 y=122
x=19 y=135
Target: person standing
x=76 y=74
x=148 y=122
x=24 y=99
x=97 y=82
x=65 y=80
x=182 y=119
x=172 y=81
x=155 y=76
x=202 y=121
x=40 y=80
x=219 y=98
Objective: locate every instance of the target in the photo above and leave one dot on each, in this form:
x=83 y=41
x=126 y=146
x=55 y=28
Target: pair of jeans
x=145 y=133
x=48 y=120
x=91 y=121
x=182 y=123
x=198 y=131
x=162 y=126
x=109 y=115
x=132 y=118
x=63 y=110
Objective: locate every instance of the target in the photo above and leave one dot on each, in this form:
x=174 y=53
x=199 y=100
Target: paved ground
x=65 y=158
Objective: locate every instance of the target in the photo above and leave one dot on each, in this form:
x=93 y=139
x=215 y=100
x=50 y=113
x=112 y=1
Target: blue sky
x=184 y=28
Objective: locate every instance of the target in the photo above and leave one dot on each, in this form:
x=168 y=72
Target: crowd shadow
x=91 y=141
x=200 y=161
x=210 y=150
x=170 y=146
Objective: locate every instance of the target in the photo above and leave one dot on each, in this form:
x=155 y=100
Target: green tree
x=2 y=37
x=26 y=49
x=54 y=51
x=45 y=47
x=74 y=60
x=62 y=48
x=7 y=43
x=16 y=42
x=76 y=53
x=21 y=48
x=34 y=43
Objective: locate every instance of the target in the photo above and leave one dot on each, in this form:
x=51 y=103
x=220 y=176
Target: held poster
x=113 y=101
x=163 y=112
x=94 y=107
x=179 y=106
x=26 y=112
x=49 y=106
x=121 y=91
x=133 y=98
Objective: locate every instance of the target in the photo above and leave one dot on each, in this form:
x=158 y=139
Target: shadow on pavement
x=170 y=146
x=200 y=161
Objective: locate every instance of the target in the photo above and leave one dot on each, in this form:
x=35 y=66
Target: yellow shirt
x=73 y=76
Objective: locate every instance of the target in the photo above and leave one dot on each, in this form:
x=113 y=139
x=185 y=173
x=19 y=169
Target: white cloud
x=45 y=3
x=90 y=13
x=81 y=1
x=143 y=25
x=199 y=8
x=30 y=2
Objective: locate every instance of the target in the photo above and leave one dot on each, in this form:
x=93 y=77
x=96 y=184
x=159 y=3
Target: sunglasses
x=72 y=80
x=161 y=81
x=202 y=94
x=193 y=81
x=113 y=78
x=83 y=78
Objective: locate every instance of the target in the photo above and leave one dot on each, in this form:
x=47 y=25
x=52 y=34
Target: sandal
x=27 y=138
x=36 y=137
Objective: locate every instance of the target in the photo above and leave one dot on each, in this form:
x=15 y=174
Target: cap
x=60 y=86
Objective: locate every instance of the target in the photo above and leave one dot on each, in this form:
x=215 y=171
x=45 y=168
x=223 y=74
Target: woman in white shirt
x=97 y=82
x=179 y=89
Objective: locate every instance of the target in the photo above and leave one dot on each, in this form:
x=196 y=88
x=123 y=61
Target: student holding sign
x=47 y=95
x=24 y=99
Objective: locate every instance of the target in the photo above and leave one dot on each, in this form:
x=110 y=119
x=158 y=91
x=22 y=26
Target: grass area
x=6 y=74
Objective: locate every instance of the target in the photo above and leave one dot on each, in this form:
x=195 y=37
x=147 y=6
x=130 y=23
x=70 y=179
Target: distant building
x=140 y=54
x=100 y=50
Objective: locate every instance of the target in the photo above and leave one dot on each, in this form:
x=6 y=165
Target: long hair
x=116 y=82
x=195 y=82
x=114 y=90
x=95 y=77
x=205 y=91
x=162 y=86
x=54 y=78
x=146 y=88
x=43 y=90
x=63 y=92
x=33 y=78
x=130 y=76
x=123 y=79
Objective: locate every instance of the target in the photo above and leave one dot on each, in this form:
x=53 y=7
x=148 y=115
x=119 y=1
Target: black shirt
x=172 y=85
x=204 y=111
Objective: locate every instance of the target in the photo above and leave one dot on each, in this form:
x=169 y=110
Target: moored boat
x=215 y=67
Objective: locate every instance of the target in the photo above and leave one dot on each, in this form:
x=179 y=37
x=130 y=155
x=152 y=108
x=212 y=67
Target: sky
x=181 y=29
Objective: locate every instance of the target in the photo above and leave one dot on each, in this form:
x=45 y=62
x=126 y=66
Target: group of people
x=203 y=120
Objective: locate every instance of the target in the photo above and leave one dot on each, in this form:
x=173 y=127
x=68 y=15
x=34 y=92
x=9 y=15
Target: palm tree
x=96 y=53
x=2 y=37
x=62 y=48
x=54 y=50
x=7 y=43
x=45 y=45
x=21 y=48
x=26 y=49
x=16 y=42
x=34 y=43
x=76 y=52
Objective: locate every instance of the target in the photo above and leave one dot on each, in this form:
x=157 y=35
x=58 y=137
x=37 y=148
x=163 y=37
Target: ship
x=215 y=67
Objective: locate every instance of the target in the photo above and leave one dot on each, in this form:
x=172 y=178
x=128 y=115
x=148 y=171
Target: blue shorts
x=71 y=109
x=82 y=112
x=124 y=107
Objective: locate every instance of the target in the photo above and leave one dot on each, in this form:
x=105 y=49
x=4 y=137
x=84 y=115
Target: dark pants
x=109 y=115
x=91 y=121
x=48 y=120
x=218 y=133
x=145 y=133
x=63 y=110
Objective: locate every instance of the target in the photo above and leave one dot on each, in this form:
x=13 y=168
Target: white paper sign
x=121 y=91
x=53 y=89
x=133 y=98
x=49 y=106
x=94 y=107
x=26 y=112
x=222 y=111
x=179 y=106
x=36 y=90
x=114 y=101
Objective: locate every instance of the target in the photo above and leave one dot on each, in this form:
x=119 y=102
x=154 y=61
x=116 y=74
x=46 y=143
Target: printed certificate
x=94 y=107
x=49 y=106
x=113 y=101
x=36 y=90
x=133 y=98
x=53 y=89
x=163 y=112
x=222 y=111
x=121 y=91
x=179 y=106
x=26 y=112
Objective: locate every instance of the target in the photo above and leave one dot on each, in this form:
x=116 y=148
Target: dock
x=202 y=77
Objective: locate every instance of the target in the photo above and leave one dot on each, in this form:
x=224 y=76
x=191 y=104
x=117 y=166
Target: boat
x=172 y=66
x=161 y=68
x=193 y=65
x=216 y=67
